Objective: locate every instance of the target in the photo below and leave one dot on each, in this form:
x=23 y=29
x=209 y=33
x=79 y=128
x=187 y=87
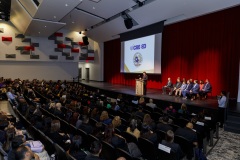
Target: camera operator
x=221 y=107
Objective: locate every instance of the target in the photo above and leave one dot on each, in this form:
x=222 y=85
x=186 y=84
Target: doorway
x=87 y=74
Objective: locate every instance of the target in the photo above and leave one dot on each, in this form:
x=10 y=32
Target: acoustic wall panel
x=9 y=39
x=10 y=55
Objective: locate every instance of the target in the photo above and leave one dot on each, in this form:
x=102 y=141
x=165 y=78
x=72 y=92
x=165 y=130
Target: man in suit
x=206 y=89
x=145 y=79
x=177 y=86
x=187 y=90
x=194 y=91
x=85 y=126
x=174 y=146
x=167 y=86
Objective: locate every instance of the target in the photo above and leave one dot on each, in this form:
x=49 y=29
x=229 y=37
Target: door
x=87 y=74
x=79 y=74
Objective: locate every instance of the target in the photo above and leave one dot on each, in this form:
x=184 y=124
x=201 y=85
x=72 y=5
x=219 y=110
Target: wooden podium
x=139 y=87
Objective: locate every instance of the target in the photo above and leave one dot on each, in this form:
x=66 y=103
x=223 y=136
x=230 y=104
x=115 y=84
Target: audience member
x=95 y=150
x=169 y=142
x=132 y=129
x=151 y=104
x=104 y=118
x=85 y=126
x=25 y=153
x=164 y=124
x=147 y=133
x=75 y=148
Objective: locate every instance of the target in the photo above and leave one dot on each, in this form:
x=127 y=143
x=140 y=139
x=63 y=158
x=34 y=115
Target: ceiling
x=101 y=20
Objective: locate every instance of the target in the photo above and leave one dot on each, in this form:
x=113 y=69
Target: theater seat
x=108 y=151
x=147 y=148
x=129 y=137
x=166 y=156
x=186 y=146
x=125 y=154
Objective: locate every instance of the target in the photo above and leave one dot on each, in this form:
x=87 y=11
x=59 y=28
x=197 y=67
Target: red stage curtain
x=199 y=48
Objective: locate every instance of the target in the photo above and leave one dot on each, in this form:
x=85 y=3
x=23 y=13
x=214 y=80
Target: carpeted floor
x=227 y=147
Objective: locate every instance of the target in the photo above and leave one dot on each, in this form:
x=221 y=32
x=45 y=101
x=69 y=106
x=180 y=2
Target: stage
x=162 y=100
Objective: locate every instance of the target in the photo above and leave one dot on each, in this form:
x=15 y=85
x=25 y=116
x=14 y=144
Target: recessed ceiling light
x=66 y=4
x=39 y=32
x=73 y=22
x=54 y=17
x=93 y=7
x=45 y=26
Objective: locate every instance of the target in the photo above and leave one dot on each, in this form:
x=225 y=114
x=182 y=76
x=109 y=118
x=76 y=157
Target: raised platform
x=160 y=99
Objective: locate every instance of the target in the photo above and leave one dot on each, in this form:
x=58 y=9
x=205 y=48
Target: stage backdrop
x=199 y=48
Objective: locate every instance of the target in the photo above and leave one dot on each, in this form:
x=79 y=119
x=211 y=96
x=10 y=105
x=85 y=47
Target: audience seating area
x=79 y=100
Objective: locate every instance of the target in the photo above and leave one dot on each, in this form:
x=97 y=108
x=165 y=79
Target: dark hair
x=17 y=141
x=20 y=152
x=108 y=133
x=95 y=147
x=224 y=93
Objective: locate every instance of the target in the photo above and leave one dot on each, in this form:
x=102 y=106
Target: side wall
x=44 y=68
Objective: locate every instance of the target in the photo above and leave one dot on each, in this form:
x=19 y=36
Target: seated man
x=95 y=150
x=151 y=104
x=174 y=146
x=25 y=153
x=188 y=134
x=206 y=89
x=194 y=91
x=178 y=91
x=167 y=86
x=187 y=90
x=176 y=86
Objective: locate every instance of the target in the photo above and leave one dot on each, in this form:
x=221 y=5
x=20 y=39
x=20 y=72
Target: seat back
x=125 y=154
x=147 y=148
x=129 y=137
x=167 y=156
x=181 y=122
x=161 y=135
x=60 y=152
x=108 y=151
x=186 y=145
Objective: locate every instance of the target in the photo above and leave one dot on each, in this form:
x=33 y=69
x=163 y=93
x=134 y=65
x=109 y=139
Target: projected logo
x=137 y=59
x=137 y=47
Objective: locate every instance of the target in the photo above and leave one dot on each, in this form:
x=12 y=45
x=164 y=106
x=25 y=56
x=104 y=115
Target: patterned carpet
x=227 y=147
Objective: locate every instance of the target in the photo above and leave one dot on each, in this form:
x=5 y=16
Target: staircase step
x=232 y=113
x=233 y=123
x=231 y=129
x=233 y=118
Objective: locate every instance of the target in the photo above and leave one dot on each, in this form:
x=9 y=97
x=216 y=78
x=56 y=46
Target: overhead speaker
x=85 y=40
x=128 y=23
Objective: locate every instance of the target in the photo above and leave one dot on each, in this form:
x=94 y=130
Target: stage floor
x=156 y=94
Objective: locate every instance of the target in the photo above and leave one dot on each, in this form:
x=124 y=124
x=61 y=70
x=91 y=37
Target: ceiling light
x=45 y=26
x=66 y=4
x=73 y=22
x=54 y=17
x=96 y=1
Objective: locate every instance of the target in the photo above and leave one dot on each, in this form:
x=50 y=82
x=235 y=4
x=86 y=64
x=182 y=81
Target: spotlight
x=128 y=23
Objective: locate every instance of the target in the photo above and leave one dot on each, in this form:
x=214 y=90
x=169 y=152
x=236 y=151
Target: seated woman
x=104 y=118
x=117 y=123
x=116 y=140
x=132 y=129
x=147 y=120
x=169 y=142
x=57 y=136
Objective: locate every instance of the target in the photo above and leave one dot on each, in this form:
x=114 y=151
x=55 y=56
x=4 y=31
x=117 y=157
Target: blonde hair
x=104 y=116
x=116 y=121
x=184 y=107
x=141 y=100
